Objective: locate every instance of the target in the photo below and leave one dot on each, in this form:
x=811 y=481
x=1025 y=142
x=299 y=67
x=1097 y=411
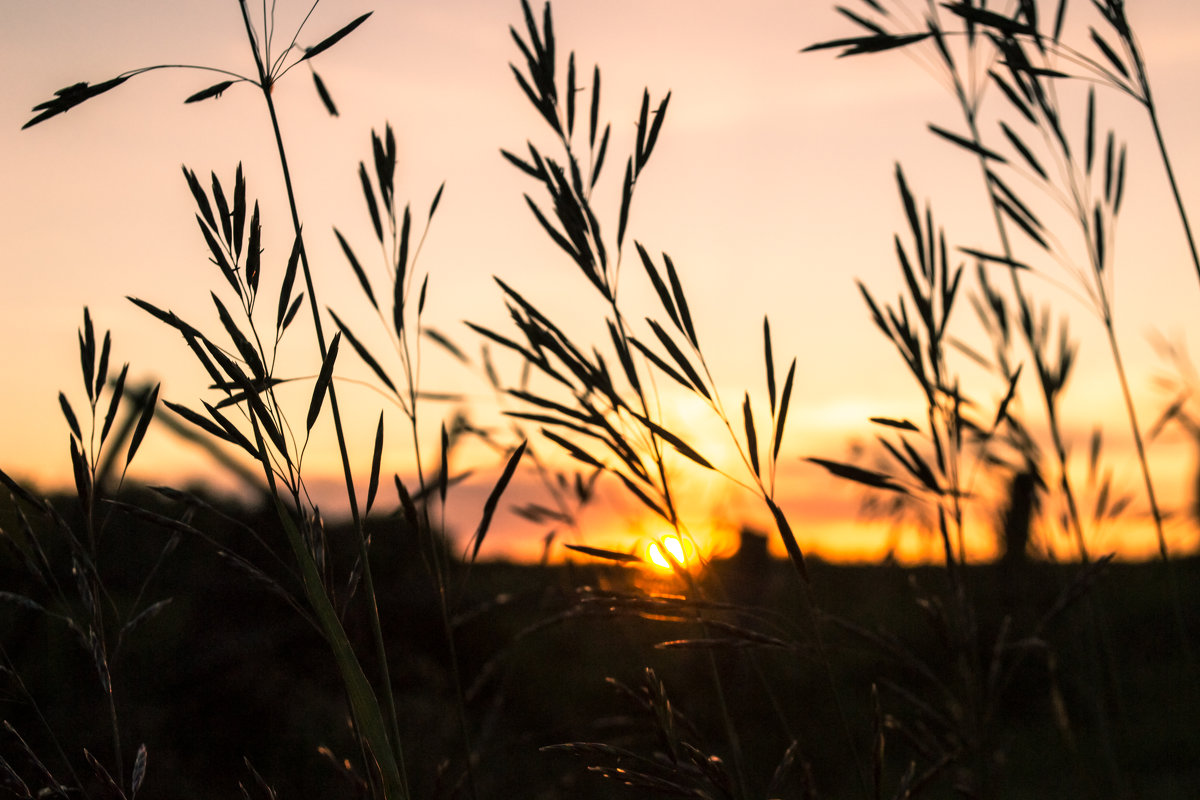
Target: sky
x=772 y=188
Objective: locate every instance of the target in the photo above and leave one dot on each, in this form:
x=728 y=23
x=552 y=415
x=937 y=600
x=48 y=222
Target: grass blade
x=640 y=494
x=102 y=367
x=1022 y=221
x=489 y=507
x=384 y=166
x=323 y=93
x=626 y=199
x=72 y=420
x=223 y=214
x=323 y=380
x=659 y=287
x=681 y=301
x=571 y=89
x=232 y=434
x=442 y=341
x=623 y=355
x=401 y=271
x=680 y=358
x=330 y=41
x=406 y=504
x=212 y=91
x=547 y=61
x=369 y=195
x=751 y=437
x=550 y=404
x=866 y=477
x=784 y=401
x=218 y=257
x=83 y=477
x=1010 y=197
x=901 y=424
x=444 y=474
x=239 y=210
x=600 y=155
x=1109 y=53
x=1109 y=144
x=376 y=459
x=597 y=552
x=967 y=144
x=558 y=238
x=1089 y=150
x=676 y=442
x=576 y=452
x=21 y=492
x=437 y=198
x=139 y=771
x=69 y=97
x=992 y=257
x=643 y=121
x=143 y=423
x=595 y=113
x=789 y=539
x=660 y=114
x=114 y=403
x=87 y=354
x=1017 y=100
x=522 y=165
x=285 y=289
x=1120 y=190
x=254 y=253
x=769 y=359
x=247 y=351
x=990 y=19
x=291 y=312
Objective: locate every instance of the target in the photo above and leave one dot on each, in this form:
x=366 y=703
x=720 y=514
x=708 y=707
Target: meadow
x=165 y=641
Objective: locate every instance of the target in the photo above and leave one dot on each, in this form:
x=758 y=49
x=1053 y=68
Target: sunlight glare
x=682 y=551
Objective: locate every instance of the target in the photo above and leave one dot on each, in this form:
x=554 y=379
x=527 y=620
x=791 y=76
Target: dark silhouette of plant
x=68 y=560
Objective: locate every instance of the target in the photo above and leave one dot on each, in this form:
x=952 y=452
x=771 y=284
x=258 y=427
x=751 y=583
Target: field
x=227 y=672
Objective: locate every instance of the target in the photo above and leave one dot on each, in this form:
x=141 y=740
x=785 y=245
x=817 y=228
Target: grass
x=267 y=649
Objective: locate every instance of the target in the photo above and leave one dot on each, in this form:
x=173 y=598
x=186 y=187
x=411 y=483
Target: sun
x=681 y=549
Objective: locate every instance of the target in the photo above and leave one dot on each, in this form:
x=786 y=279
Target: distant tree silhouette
x=1016 y=520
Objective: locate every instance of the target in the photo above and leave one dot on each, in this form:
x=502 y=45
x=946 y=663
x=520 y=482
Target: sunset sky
x=772 y=188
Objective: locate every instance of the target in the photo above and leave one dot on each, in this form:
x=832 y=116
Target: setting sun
x=682 y=550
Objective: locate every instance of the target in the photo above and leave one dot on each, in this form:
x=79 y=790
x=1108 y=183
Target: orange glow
x=682 y=550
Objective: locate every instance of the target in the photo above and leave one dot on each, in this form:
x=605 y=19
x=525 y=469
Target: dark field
x=227 y=672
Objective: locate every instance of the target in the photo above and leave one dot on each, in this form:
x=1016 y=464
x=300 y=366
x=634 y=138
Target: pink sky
x=771 y=187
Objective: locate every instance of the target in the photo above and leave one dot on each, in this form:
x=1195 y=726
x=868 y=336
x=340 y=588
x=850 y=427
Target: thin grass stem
x=364 y=554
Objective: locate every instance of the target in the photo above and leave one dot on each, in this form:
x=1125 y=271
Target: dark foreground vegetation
x=158 y=645
x=228 y=677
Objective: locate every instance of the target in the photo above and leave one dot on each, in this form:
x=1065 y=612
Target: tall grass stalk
x=100 y=624
x=265 y=84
